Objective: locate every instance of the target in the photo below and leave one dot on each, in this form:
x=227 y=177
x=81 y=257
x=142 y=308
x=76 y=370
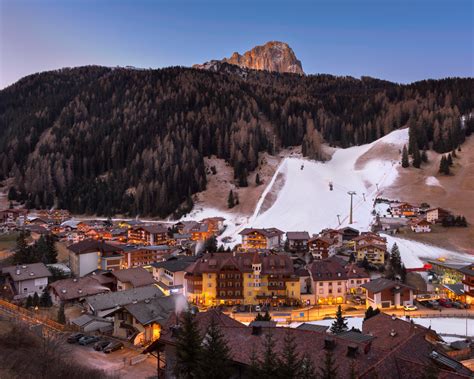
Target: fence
x=33 y=316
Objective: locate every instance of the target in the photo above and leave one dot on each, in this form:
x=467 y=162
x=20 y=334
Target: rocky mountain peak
x=272 y=56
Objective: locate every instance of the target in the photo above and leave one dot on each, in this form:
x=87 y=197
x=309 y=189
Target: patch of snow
x=305 y=201
x=414 y=254
x=432 y=181
x=443 y=325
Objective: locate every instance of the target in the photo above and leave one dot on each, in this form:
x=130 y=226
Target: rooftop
x=27 y=272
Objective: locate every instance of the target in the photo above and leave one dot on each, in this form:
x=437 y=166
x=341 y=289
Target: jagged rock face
x=273 y=56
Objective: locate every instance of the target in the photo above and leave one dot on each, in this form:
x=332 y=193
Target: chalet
x=148 y=235
x=384 y=293
x=321 y=247
x=403 y=210
x=89 y=255
x=142 y=321
x=215 y=225
x=27 y=279
x=133 y=278
x=369 y=238
x=334 y=235
x=13 y=216
x=73 y=290
x=375 y=254
x=420 y=226
x=297 y=241
x=253 y=238
x=349 y=233
x=437 y=215
x=57 y=216
x=105 y=304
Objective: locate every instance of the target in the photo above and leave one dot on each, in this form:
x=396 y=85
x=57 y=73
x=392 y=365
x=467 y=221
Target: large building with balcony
x=269 y=238
x=240 y=278
x=148 y=235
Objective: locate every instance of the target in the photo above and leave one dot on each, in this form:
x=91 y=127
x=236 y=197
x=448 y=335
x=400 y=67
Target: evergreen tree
x=35 y=299
x=405 y=162
x=254 y=371
x=269 y=364
x=257 y=180
x=52 y=252
x=416 y=158
x=424 y=156
x=22 y=250
x=210 y=245
x=371 y=312
x=188 y=347
x=265 y=317
x=45 y=299
x=307 y=370
x=290 y=364
x=453 y=154
x=352 y=258
x=61 y=314
x=395 y=258
x=340 y=323
x=29 y=302
x=444 y=166
x=403 y=273
x=215 y=360
x=329 y=369
x=230 y=200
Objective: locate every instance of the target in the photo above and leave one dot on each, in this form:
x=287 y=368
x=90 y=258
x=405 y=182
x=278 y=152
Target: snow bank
x=432 y=181
x=443 y=325
x=415 y=254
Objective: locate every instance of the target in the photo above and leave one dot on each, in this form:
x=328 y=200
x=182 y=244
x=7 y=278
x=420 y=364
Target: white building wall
x=88 y=263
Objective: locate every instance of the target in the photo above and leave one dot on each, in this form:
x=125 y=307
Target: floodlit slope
x=306 y=202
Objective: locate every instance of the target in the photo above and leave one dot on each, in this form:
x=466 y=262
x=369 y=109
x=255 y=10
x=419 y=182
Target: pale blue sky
x=403 y=41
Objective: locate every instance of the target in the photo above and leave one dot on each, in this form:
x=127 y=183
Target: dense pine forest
x=105 y=141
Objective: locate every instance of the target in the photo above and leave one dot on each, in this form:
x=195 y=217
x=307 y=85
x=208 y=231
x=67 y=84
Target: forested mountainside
x=108 y=141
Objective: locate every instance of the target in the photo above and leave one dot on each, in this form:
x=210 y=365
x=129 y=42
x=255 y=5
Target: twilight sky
x=403 y=41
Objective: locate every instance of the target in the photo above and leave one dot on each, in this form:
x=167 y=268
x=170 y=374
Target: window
x=209 y=276
x=330 y=290
x=250 y=276
x=25 y=289
x=338 y=283
x=358 y=282
x=222 y=293
x=339 y=290
x=321 y=284
x=209 y=285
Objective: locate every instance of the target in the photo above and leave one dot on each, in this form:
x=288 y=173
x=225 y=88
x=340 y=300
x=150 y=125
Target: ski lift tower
x=351 y=194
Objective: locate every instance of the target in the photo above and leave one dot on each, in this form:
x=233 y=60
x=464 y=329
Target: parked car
x=73 y=338
x=258 y=308
x=445 y=303
x=113 y=346
x=101 y=345
x=410 y=307
x=458 y=305
x=431 y=304
x=87 y=340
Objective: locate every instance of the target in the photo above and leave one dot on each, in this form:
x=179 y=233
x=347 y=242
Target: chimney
x=393 y=333
x=329 y=343
x=256 y=330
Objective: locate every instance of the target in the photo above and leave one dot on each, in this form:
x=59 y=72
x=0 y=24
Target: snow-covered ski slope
x=306 y=202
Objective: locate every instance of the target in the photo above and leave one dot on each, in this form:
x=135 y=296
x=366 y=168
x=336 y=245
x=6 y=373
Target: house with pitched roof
x=375 y=253
x=267 y=238
x=133 y=278
x=27 y=279
x=72 y=290
x=384 y=293
x=297 y=241
x=321 y=247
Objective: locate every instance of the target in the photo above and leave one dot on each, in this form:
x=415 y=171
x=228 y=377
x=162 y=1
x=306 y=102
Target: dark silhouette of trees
x=97 y=140
x=405 y=161
x=340 y=323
